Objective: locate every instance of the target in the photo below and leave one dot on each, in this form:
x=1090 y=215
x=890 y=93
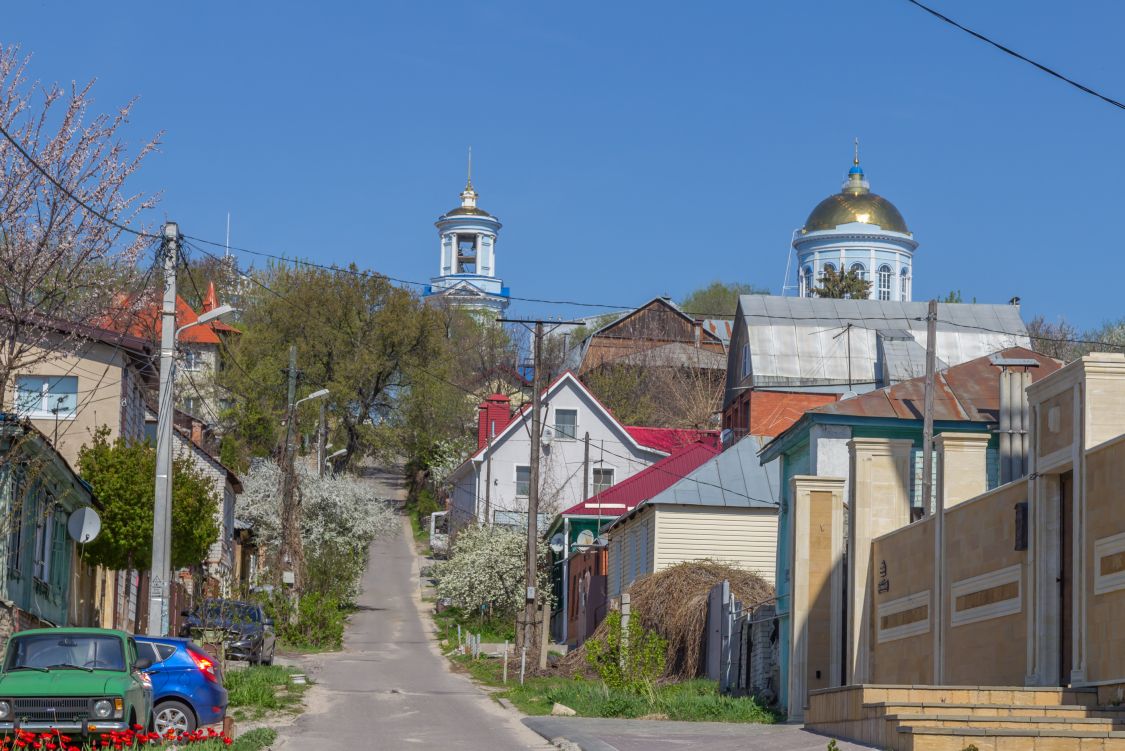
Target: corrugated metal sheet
x=733 y=478
x=804 y=341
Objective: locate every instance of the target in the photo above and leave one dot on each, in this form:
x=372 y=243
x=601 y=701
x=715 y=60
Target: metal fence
x=742 y=648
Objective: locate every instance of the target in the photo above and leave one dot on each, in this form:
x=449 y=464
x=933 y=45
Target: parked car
x=249 y=633
x=187 y=684
x=73 y=680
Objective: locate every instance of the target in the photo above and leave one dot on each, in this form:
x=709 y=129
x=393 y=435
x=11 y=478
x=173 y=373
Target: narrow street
x=390 y=688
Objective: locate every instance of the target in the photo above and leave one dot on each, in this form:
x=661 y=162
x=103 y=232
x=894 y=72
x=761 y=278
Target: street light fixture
x=314 y=395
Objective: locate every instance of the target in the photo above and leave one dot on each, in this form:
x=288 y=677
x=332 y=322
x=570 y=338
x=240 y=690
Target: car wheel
x=174 y=716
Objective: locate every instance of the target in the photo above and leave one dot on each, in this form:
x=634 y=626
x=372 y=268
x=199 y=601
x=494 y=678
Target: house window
x=44 y=540
x=859 y=270
x=602 y=479
x=808 y=285
x=904 y=284
x=15 y=520
x=188 y=404
x=566 y=424
x=885 y=282
x=523 y=481
x=828 y=267
x=193 y=359
x=45 y=397
x=745 y=360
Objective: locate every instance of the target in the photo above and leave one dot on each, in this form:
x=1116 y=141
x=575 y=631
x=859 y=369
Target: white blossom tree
x=486 y=570
x=60 y=262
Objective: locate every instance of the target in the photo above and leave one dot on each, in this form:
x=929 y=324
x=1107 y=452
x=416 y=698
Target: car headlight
x=5 y=710
x=103 y=709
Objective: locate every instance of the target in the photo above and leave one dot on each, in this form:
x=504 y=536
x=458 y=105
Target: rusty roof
x=969 y=392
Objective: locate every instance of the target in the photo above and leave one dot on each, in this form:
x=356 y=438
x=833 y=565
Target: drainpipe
x=565 y=578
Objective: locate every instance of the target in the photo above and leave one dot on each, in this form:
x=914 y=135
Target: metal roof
x=806 y=341
x=733 y=479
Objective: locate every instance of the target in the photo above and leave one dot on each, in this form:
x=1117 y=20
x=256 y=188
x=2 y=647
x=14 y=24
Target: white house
x=492 y=485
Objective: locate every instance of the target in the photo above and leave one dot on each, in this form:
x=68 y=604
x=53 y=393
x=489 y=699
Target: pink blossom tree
x=61 y=264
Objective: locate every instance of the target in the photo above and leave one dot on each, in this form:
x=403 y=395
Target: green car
x=74 y=680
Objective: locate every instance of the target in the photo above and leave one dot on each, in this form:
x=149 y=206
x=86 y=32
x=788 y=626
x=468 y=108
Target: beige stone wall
x=821 y=563
x=982 y=648
x=1105 y=561
x=1056 y=419
x=909 y=557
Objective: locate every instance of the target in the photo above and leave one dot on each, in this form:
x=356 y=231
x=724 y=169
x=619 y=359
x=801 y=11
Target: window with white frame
x=904 y=283
x=885 y=274
x=808 y=282
x=47 y=397
x=859 y=270
x=193 y=359
x=44 y=540
x=745 y=359
x=566 y=424
x=523 y=481
x=602 y=479
x=827 y=268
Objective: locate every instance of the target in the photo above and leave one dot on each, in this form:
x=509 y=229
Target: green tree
x=718 y=299
x=954 y=296
x=848 y=284
x=364 y=339
x=122 y=477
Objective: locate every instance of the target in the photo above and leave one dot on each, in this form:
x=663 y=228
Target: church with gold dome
x=860 y=231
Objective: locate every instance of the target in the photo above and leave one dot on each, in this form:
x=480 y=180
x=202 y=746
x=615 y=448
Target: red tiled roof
x=625 y=495
x=670 y=439
x=145 y=323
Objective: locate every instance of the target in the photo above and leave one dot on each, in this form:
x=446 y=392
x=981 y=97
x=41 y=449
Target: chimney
x=493 y=415
x=197 y=432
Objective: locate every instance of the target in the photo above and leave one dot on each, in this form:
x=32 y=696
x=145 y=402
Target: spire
x=854 y=162
x=210 y=300
x=856 y=182
x=469 y=195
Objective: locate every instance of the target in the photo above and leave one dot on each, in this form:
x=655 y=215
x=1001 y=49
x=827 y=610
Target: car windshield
x=55 y=651
x=229 y=611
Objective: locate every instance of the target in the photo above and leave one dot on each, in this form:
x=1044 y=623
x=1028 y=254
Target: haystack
x=673 y=603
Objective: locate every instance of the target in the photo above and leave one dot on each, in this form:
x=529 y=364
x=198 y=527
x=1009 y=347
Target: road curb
x=557 y=732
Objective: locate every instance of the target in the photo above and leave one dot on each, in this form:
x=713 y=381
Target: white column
x=874 y=294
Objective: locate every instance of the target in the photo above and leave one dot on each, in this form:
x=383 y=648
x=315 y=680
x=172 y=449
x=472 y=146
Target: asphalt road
x=390 y=688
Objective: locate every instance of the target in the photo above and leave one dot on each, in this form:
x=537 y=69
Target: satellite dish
x=585 y=538
x=557 y=543
x=849 y=394
x=548 y=436
x=84 y=524
x=603 y=540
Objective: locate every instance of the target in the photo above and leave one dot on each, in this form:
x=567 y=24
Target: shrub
x=319 y=623
x=485 y=570
x=632 y=663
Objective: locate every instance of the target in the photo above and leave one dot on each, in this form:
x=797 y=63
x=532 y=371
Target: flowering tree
x=486 y=569
x=61 y=262
x=340 y=515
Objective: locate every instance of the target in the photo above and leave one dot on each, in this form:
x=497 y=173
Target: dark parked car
x=249 y=636
x=187 y=684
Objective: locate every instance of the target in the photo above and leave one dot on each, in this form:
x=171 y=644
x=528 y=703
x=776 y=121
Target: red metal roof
x=625 y=495
x=670 y=439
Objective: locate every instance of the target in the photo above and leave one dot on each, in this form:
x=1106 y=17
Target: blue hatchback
x=187 y=685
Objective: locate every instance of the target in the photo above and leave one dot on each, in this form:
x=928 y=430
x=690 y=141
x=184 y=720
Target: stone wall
x=1105 y=563
x=902 y=575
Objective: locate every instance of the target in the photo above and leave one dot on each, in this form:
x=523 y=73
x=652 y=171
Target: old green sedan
x=74 y=680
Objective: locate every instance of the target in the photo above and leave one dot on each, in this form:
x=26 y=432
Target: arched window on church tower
x=808 y=283
x=885 y=274
x=860 y=270
x=904 y=284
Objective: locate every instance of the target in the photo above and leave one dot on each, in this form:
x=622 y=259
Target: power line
x=1009 y=51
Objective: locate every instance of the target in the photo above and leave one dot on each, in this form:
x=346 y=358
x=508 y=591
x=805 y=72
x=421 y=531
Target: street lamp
x=314 y=395
x=328 y=459
x=161 y=567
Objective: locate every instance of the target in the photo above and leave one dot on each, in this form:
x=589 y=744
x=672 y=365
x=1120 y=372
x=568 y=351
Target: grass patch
x=254 y=740
x=491 y=630
x=694 y=701
x=262 y=689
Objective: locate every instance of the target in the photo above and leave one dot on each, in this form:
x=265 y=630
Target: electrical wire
x=1009 y=51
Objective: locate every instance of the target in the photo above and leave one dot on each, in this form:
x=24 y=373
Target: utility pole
x=585 y=469
x=290 y=554
x=321 y=441
x=928 y=415
x=160 y=570
x=488 y=478
x=526 y=629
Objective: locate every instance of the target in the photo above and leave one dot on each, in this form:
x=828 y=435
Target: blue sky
x=631 y=150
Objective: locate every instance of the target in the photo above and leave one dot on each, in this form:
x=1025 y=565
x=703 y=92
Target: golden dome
x=847 y=206
x=855 y=203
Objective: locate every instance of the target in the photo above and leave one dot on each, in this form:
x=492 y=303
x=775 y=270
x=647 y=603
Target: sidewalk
x=596 y=734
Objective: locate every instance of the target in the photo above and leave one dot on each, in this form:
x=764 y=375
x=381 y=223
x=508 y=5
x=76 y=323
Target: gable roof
x=651 y=480
x=732 y=479
x=969 y=392
x=146 y=323
x=796 y=341
x=671 y=439
x=524 y=413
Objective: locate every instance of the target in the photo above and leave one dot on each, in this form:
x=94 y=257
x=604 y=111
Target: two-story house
x=584 y=449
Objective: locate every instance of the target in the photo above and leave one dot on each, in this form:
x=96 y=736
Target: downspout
x=565 y=578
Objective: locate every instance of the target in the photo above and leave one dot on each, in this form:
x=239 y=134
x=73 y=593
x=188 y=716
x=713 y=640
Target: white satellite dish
x=548 y=436
x=585 y=538
x=84 y=524
x=557 y=543
x=603 y=540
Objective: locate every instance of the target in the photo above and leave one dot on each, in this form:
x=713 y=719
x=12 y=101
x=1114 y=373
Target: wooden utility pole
x=585 y=468
x=928 y=415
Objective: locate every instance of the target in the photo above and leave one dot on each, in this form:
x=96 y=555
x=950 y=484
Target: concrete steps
x=953 y=718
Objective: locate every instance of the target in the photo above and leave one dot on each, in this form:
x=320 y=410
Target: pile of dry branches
x=673 y=603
